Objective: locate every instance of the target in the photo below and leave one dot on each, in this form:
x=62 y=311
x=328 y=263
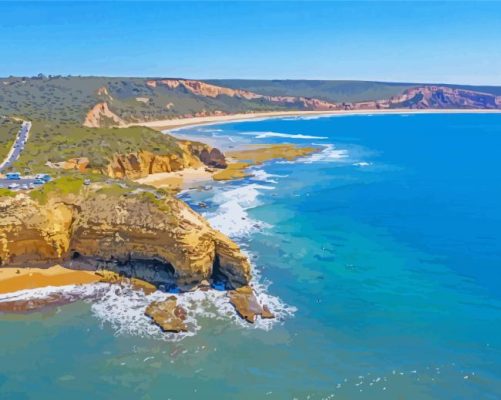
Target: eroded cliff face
x=204 y=89
x=100 y=115
x=93 y=230
x=143 y=163
x=445 y=97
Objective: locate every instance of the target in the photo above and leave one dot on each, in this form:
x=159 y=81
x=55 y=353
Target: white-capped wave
x=362 y=164
x=263 y=176
x=231 y=216
x=123 y=308
x=208 y=130
x=329 y=154
x=264 y=135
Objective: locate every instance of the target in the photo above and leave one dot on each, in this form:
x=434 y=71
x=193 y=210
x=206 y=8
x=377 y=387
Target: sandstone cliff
x=445 y=97
x=100 y=115
x=160 y=240
x=143 y=163
x=204 y=89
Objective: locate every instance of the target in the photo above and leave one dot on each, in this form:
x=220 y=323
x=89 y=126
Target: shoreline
x=16 y=279
x=178 y=180
x=184 y=123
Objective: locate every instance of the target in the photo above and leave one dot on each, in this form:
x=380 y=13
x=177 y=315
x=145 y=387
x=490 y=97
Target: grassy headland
x=56 y=142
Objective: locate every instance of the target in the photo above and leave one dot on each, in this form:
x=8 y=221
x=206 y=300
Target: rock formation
x=143 y=163
x=204 y=89
x=167 y=315
x=100 y=115
x=246 y=304
x=445 y=97
x=161 y=241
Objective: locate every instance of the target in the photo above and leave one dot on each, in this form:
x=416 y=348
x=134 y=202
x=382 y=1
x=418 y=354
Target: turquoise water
x=381 y=255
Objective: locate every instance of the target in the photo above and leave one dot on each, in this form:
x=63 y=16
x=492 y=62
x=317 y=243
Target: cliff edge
x=137 y=233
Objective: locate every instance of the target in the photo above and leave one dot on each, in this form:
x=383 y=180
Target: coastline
x=178 y=123
x=15 y=279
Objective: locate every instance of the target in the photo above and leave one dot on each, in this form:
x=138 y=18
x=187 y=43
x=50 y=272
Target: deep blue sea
x=381 y=255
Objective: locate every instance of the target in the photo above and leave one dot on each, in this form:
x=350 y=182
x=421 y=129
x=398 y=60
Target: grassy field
x=57 y=142
x=8 y=132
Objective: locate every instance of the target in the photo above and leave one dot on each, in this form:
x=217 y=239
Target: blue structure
x=15 y=176
x=43 y=177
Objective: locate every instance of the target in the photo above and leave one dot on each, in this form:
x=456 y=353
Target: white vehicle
x=13 y=186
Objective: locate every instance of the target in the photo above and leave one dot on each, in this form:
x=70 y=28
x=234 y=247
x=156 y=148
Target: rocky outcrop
x=78 y=164
x=167 y=315
x=100 y=115
x=143 y=163
x=247 y=305
x=161 y=241
x=211 y=157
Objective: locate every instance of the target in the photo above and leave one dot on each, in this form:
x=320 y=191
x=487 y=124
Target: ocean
x=380 y=255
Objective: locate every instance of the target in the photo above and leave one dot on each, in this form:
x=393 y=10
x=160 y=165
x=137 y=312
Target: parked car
x=13 y=176
x=44 y=177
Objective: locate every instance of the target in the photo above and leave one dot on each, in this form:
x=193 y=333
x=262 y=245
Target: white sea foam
x=261 y=175
x=329 y=154
x=68 y=292
x=362 y=164
x=208 y=130
x=227 y=137
x=231 y=216
x=122 y=308
x=264 y=135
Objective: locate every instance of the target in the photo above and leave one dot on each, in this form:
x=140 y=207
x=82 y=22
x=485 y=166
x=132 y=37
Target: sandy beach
x=175 y=123
x=14 y=279
x=183 y=179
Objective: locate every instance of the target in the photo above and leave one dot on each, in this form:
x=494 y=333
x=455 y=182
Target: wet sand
x=178 y=180
x=14 y=279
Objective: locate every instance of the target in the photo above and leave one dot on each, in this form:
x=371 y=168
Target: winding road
x=18 y=146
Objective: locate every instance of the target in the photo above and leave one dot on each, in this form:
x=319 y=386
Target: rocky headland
x=150 y=237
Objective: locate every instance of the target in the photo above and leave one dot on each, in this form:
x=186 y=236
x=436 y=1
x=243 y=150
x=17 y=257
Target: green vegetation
x=7 y=193
x=61 y=186
x=114 y=190
x=8 y=131
x=158 y=201
x=66 y=100
x=57 y=142
x=334 y=91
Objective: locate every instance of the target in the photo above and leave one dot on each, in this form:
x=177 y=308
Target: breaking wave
x=231 y=216
x=264 y=135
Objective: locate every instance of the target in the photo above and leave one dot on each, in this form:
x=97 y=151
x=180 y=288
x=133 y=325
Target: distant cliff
x=217 y=99
x=105 y=101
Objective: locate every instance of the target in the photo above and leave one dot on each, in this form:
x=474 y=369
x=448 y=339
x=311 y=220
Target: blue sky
x=455 y=42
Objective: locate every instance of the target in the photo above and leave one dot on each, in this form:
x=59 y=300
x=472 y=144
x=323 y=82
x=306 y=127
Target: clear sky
x=453 y=42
